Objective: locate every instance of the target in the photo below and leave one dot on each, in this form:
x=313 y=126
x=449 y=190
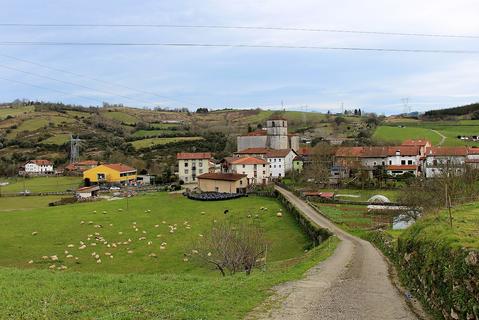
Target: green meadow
x=40 y=184
x=151 y=142
x=125 y=259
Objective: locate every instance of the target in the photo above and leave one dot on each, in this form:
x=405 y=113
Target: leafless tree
x=319 y=167
x=232 y=248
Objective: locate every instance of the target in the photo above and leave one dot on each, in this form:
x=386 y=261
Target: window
x=375 y=163
x=241 y=182
x=409 y=162
x=403 y=162
x=200 y=164
x=279 y=166
x=434 y=162
x=274 y=159
x=186 y=179
x=279 y=175
x=186 y=171
x=274 y=166
x=264 y=166
x=244 y=166
x=264 y=172
x=186 y=163
x=390 y=162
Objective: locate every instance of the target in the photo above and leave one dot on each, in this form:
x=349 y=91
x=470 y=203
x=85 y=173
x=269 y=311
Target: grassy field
x=450 y=130
x=153 y=133
x=398 y=135
x=41 y=184
x=58 y=139
x=26 y=203
x=165 y=287
x=121 y=116
x=5 y=112
x=146 y=143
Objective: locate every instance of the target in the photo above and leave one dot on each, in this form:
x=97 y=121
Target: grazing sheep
x=201 y=236
x=150 y=242
x=69 y=256
x=144 y=232
x=194 y=251
x=93 y=254
x=163 y=243
x=142 y=238
x=52 y=266
x=54 y=258
x=153 y=255
x=111 y=257
x=209 y=254
x=158 y=235
x=93 y=244
x=120 y=233
x=108 y=245
x=114 y=245
x=98 y=261
x=120 y=209
x=82 y=247
x=202 y=212
x=129 y=240
x=94 y=211
x=71 y=245
x=97 y=256
x=63 y=267
x=30 y=262
x=157 y=225
x=104 y=212
x=162 y=248
x=82 y=222
x=279 y=214
x=185 y=259
x=34 y=233
x=188 y=227
x=130 y=251
x=66 y=251
x=107 y=254
x=164 y=222
x=44 y=257
x=134 y=222
x=90 y=222
x=111 y=224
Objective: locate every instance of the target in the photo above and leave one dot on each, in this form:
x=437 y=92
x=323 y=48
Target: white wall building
x=192 y=164
x=274 y=136
x=257 y=170
x=39 y=167
x=440 y=158
x=280 y=162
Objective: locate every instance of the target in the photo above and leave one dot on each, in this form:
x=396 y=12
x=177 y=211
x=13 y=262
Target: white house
x=87 y=192
x=256 y=169
x=403 y=159
x=39 y=166
x=280 y=162
x=192 y=164
x=438 y=158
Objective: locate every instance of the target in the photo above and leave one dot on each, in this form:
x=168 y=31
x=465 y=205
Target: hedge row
x=445 y=279
x=315 y=233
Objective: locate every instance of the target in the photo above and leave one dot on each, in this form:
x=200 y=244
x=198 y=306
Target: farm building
x=38 y=167
x=81 y=166
x=192 y=164
x=111 y=173
x=223 y=182
x=87 y=192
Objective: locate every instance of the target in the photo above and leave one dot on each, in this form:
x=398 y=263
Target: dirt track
x=352 y=284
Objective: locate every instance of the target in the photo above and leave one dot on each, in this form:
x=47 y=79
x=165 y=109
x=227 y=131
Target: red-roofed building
x=81 y=166
x=39 y=167
x=256 y=169
x=112 y=173
x=193 y=164
x=223 y=182
x=438 y=159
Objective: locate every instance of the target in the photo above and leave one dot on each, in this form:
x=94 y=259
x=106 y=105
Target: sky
x=271 y=78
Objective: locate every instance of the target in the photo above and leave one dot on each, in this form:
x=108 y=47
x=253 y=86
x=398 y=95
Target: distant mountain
x=469 y=109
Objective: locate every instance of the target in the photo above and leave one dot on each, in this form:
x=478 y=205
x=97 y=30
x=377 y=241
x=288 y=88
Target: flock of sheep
x=104 y=248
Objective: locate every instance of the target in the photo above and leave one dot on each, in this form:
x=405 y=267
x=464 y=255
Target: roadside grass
x=26 y=203
x=14 y=112
x=40 y=184
x=36 y=294
x=146 y=143
x=121 y=116
x=58 y=139
x=153 y=133
x=463 y=234
x=58 y=227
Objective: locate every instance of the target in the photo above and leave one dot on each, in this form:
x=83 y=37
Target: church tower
x=277 y=129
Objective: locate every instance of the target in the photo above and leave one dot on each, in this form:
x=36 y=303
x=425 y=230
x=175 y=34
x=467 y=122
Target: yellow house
x=110 y=173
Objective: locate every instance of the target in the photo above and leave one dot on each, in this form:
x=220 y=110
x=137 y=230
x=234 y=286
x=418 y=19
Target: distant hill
x=469 y=109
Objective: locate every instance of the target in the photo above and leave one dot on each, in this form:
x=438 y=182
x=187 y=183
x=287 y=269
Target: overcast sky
x=304 y=79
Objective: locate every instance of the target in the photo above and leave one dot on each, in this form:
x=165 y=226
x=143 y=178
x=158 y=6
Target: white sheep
x=34 y=233
x=149 y=243
x=120 y=233
x=130 y=251
x=82 y=222
x=54 y=258
x=153 y=255
x=98 y=261
x=279 y=214
x=52 y=266
x=82 y=247
x=30 y=262
x=69 y=256
x=71 y=245
x=157 y=225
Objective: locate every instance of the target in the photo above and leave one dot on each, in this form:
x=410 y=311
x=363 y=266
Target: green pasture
x=398 y=134
x=153 y=133
x=58 y=139
x=121 y=116
x=146 y=143
x=16 y=111
x=40 y=184
x=26 y=202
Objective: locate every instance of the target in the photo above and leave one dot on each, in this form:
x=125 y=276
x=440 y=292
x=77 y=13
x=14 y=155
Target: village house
x=115 y=173
x=223 y=182
x=39 y=167
x=257 y=170
x=280 y=162
x=439 y=159
x=192 y=164
x=274 y=136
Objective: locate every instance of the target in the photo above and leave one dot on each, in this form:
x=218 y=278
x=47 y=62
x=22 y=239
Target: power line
x=219 y=45
x=46 y=88
x=94 y=79
x=69 y=83
x=178 y=26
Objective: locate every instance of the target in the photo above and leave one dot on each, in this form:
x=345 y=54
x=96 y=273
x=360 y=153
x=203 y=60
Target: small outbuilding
x=223 y=182
x=87 y=192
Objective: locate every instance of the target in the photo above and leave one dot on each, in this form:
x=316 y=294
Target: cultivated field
x=163 y=285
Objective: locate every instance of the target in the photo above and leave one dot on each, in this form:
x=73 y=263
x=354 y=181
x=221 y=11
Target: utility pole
x=448 y=206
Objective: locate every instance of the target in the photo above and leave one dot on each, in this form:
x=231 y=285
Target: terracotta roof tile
x=248 y=160
x=222 y=176
x=119 y=167
x=278 y=153
x=446 y=151
x=41 y=162
x=402 y=167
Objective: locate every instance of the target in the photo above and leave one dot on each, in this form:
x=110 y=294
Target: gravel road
x=352 y=284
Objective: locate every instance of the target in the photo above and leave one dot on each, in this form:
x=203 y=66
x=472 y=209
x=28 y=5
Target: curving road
x=352 y=284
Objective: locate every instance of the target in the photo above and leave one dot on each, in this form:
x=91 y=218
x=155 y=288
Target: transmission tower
x=407 y=107
x=74 y=149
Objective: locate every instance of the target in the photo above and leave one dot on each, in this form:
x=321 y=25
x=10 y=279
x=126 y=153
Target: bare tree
x=232 y=248
x=319 y=167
